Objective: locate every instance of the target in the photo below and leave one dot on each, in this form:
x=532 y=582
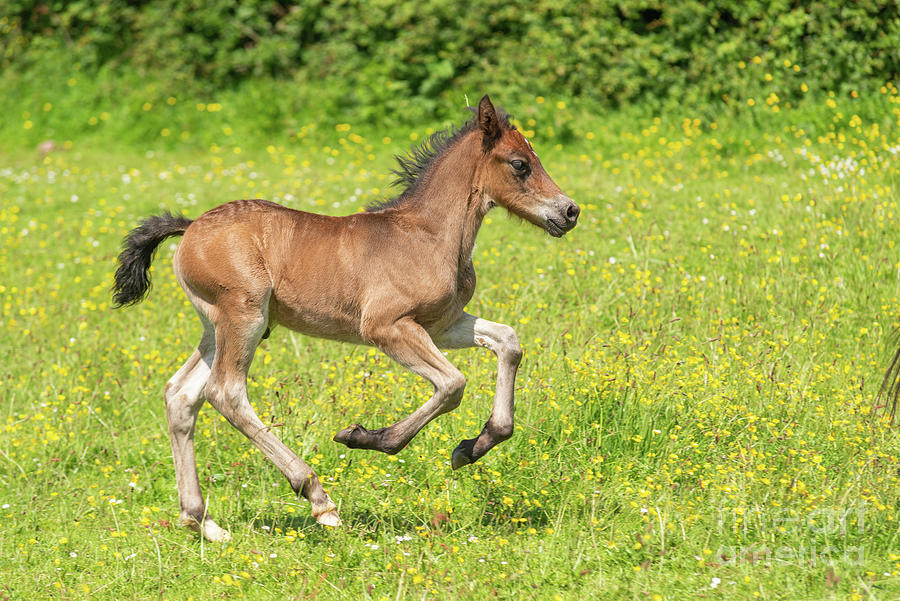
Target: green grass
x=693 y=409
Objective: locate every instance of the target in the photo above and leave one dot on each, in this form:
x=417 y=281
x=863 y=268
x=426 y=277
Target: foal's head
x=512 y=175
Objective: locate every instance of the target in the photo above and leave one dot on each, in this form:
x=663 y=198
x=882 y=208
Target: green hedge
x=371 y=54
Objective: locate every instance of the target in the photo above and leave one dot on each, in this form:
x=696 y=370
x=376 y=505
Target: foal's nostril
x=572 y=212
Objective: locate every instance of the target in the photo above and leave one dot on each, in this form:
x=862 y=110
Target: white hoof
x=213 y=533
x=208 y=530
x=329 y=518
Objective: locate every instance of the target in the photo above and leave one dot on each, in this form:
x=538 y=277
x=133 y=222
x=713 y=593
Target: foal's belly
x=335 y=307
x=322 y=320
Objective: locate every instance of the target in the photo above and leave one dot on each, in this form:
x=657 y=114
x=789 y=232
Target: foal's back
x=315 y=274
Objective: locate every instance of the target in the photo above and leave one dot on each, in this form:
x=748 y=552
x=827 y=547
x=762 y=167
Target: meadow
x=695 y=408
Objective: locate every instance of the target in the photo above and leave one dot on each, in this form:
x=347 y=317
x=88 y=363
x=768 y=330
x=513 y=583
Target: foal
x=396 y=277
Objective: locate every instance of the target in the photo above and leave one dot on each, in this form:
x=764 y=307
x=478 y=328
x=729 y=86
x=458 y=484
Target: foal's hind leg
x=183 y=401
x=472 y=331
x=226 y=390
x=409 y=344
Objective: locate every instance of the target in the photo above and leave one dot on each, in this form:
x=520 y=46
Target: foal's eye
x=519 y=165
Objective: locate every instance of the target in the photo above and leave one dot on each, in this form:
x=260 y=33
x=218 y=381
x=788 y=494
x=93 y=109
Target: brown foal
x=397 y=277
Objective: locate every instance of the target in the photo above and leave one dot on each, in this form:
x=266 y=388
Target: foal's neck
x=450 y=201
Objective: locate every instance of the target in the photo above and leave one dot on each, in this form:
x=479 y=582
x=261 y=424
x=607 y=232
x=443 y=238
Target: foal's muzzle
x=561 y=216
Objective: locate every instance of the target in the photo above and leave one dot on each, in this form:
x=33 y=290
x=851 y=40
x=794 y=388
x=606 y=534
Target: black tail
x=132 y=280
x=890 y=386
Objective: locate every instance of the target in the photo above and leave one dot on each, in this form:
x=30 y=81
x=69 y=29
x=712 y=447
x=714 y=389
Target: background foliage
x=696 y=413
x=376 y=54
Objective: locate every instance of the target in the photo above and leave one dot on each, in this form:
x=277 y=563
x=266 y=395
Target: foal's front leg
x=471 y=331
x=406 y=342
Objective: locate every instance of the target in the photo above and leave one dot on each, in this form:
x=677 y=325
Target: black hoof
x=357 y=437
x=354 y=437
x=463 y=454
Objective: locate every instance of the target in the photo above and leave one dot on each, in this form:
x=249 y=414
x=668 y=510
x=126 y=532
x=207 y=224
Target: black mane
x=414 y=165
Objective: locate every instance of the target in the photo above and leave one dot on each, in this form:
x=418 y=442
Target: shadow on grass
x=359 y=522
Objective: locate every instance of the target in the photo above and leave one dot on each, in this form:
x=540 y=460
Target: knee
x=179 y=409
x=171 y=393
x=213 y=391
x=510 y=349
x=220 y=392
x=222 y=399
x=453 y=391
x=230 y=399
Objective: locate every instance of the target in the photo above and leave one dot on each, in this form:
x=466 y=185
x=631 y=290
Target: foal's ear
x=488 y=122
